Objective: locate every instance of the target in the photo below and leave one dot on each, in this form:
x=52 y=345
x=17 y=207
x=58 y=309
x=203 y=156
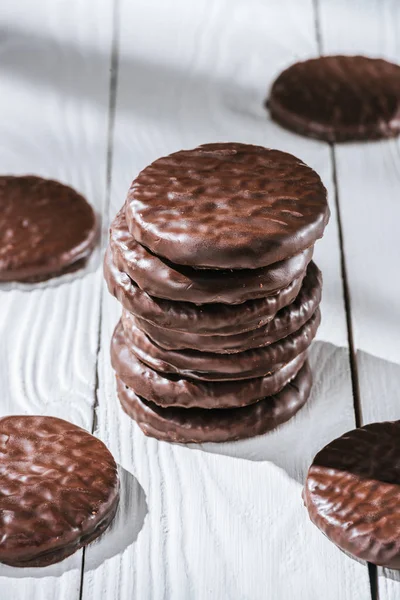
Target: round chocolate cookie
x=227 y=206
x=223 y=367
x=46 y=228
x=59 y=490
x=200 y=425
x=286 y=321
x=163 y=279
x=352 y=493
x=172 y=390
x=338 y=98
x=207 y=319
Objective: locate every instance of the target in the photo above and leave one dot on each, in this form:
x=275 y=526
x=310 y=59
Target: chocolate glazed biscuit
x=207 y=319
x=59 y=490
x=199 y=425
x=352 y=493
x=172 y=390
x=46 y=228
x=163 y=279
x=286 y=321
x=338 y=98
x=222 y=367
x=227 y=206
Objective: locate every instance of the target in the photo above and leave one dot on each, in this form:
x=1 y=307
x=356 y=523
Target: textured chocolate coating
x=207 y=319
x=352 y=493
x=286 y=321
x=227 y=206
x=338 y=98
x=172 y=390
x=59 y=489
x=200 y=425
x=163 y=279
x=45 y=228
x=222 y=367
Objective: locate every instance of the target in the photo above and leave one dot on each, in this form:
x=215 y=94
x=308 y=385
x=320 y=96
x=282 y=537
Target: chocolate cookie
x=338 y=98
x=163 y=279
x=45 y=228
x=286 y=321
x=227 y=206
x=172 y=390
x=59 y=490
x=200 y=425
x=352 y=493
x=222 y=367
x=207 y=319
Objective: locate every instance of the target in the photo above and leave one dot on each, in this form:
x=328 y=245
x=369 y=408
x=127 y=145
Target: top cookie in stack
x=210 y=258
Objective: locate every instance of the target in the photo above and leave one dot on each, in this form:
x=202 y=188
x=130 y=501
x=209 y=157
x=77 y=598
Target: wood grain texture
x=224 y=521
x=54 y=74
x=368 y=178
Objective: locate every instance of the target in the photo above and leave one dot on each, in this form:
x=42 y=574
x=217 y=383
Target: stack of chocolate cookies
x=210 y=258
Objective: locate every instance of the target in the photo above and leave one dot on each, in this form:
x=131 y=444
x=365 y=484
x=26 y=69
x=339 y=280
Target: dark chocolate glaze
x=200 y=425
x=286 y=321
x=59 y=489
x=45 y=228
x=222 y=367
x=352 y=493
x=172 y=390
x=207 y=319
x=163 y=279
x=338 y=98
x=227 y=206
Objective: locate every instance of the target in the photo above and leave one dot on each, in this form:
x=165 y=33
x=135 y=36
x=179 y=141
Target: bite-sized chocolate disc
x=59 y=490
x=352 y=493
x=172 y=390
x=338 y=98
x=208 y=319
x=223 y=367
x=163 y=279
x=45 y=228
x=200 y=425
x=227 y=206
x=286 y=321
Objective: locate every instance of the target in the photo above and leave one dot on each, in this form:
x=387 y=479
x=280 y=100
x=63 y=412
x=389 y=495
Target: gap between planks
x=112 y=100
x=372 y=569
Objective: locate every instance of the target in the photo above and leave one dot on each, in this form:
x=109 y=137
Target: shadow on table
x=122 y=532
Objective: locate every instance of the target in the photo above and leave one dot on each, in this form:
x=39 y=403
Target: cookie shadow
x=121 y=534
x=293 y=445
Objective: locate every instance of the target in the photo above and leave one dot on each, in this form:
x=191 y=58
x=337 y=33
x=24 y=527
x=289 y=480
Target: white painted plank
x=369 y=187
x=222 y=526
x=54 y=78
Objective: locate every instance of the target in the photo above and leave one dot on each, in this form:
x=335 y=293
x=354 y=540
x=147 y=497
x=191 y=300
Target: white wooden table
x=92 y=91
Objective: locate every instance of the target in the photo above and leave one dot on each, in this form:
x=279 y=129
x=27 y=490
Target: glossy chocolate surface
x=352 y=493
x=163 y=279
x=45 y=228
x=339 y=98
x=219 y=425
x=286 y=321
x=227 y=206
x=59 y=489
x=222 y=367
x=207 y=319
x=172 y=390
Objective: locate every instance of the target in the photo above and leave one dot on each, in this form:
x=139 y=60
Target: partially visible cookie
x=200 y=425
x=172 y=390
x=46 y=228
x=338 y=98
x=227 y=206
x=208 y=366
x=160 y=278
x=352 y=493
x=59 y=490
